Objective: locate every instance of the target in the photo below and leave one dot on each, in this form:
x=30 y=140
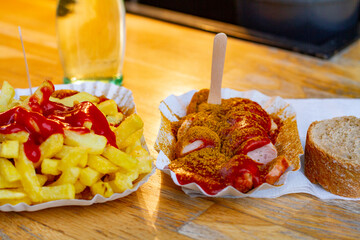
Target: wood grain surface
x=163 y=59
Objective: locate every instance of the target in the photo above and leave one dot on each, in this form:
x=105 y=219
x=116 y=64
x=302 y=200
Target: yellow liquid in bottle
x=91 y=37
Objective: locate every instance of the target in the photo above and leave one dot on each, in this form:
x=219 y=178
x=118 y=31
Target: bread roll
x=332 y=155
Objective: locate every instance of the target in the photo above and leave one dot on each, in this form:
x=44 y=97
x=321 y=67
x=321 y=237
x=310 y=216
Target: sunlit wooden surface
x=163 y=59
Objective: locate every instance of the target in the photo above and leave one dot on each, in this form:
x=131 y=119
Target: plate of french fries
x=77 y=145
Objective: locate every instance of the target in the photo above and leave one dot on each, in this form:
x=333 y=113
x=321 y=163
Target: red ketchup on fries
x=42 y=118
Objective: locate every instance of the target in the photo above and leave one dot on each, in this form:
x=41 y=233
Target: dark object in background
x=312 y=21
x=221 y=10
x=315 y=27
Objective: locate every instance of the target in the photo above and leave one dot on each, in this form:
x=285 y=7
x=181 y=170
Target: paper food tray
x=123 y=97
x=174 y=107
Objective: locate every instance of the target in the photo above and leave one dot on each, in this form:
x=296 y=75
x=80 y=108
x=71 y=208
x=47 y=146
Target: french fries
x=72 y=163
x=6 y=97
x=79 y=97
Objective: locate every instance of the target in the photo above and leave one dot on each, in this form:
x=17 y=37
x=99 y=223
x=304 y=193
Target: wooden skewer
x=26 y=65
x=217 y=68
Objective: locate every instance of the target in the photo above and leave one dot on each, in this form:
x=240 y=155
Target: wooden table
x=163 y=59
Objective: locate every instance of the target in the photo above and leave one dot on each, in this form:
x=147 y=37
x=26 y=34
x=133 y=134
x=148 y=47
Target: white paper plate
x=125 y=101
x=174 y=107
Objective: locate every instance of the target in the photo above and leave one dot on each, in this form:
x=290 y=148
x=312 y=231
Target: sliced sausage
x=264 y=154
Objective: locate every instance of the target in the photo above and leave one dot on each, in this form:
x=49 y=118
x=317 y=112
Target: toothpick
x=26 y=65
x=217 y=68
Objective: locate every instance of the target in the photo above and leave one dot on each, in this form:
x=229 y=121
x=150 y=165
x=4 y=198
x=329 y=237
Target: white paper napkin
x=307 y=111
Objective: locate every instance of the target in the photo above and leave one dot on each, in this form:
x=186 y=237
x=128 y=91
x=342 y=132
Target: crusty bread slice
x=332 y=155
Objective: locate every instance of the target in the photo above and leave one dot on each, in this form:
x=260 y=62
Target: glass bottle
x=91 y=39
